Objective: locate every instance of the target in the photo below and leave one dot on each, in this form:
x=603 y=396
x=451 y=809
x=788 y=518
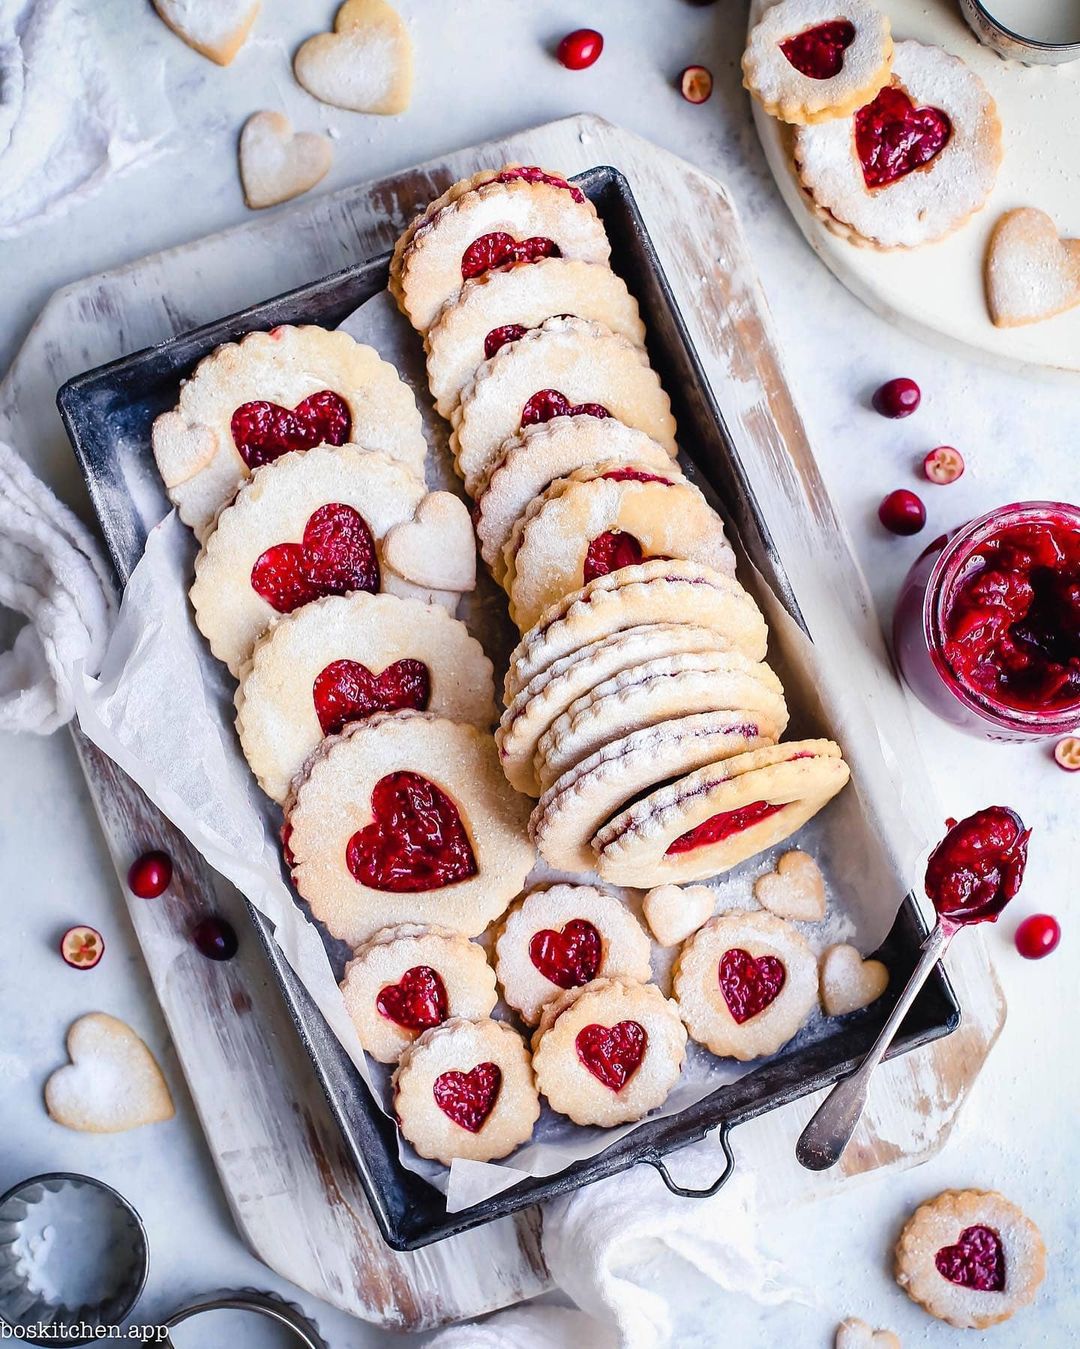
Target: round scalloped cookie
x=517 y=215
x=406 y=818
x=656 y=691
x=407 y=979
x=466 y=1089
x=660 y=591
x=609 y=1052
x=580 y=802
x=745 y=983
x=271 y=374
x=304 y=526
x=563 y=937
x=812 y=60
x=955 y=161
x=708 y=822
x=565 y=364
x=343 y=658
x=500 y=306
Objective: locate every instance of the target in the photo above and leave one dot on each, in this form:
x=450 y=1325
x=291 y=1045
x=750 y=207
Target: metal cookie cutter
x=267 y=1305
x=993 y=32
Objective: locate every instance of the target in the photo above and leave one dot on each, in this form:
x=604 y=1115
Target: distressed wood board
x=276 y=1149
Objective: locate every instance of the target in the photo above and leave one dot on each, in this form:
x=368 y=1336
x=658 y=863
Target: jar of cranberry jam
x=987 y=626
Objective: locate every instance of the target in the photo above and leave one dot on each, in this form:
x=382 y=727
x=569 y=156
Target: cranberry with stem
x=897 y=398
x=150 y=874
x=580 y=49
x=215 y=938
x=1037 y=936
x=902 y=512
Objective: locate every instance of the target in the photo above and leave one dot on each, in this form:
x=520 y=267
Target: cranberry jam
x=978 y=866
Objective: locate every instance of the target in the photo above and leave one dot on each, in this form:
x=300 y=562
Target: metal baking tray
x=108 y=413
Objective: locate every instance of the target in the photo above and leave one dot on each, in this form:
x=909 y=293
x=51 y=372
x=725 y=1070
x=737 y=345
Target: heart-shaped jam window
x=749 y=985
x=262 y=431
x=501 y=337
x=416 y=840
x=337 y=555
x=549 y=403
x=529 y=173
x=976 y=1261
x=893 y=137
x=500 y=250
x=609 y=551
x=417 y=1001
x=728 y=822
x=612 y=1054
x=468 y=1098
x=570 y=957
x=347 y=691
x=818 y=53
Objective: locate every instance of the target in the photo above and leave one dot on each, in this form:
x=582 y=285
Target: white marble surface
x=482 y=68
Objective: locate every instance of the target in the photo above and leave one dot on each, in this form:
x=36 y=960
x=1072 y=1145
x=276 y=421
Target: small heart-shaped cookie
x=673 y=912
x=365 y=64
x=277 y=164
x=112 y=1083
x=848 y=982
x=856 y=1334
x=214 y=28
x=795 y=890
x=1031 y=273
x=181 y=450
x=435 y=549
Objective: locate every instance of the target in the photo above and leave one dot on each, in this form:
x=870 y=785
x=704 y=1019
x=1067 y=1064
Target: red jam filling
x=549 y=403
x=894 y=137
x=337 y=555
x=818 y=53
x=609 y=551
x=1012 y=621
x=468 y=1098
x=570 y=957
x=347 y=691
x=634 y=475
x=976 y=1261
x=749 y=985
x=417 y=1002
x=262 y=431
x=612 y=1054
x=531 y=174
x=501 y=337
x=416 y=840
x=501 y=249
x=719 y=827
x=978 y=866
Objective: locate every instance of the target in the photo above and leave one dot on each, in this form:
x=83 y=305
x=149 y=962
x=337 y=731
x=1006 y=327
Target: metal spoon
x=824 y=1139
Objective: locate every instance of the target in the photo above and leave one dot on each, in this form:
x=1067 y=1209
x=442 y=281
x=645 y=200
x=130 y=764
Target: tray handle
x=683 y=1192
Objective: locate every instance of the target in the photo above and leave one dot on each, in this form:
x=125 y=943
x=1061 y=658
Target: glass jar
x=936 y=602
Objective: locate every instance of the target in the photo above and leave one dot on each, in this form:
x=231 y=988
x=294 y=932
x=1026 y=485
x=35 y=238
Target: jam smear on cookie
x=501 y=250
x=728 y=822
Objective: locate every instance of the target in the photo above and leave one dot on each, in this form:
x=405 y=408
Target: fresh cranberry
x=82 y=947
x=580 y=49
x=1067 y=753
x=150 y=874
x=944 y=465
x=897 y=398
x=902 y=512
x=695 y=84
x=1037 y=936
x=215 y=938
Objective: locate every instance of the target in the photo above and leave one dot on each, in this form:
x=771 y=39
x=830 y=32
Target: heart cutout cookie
x=417 y=1001
x=264 y=431
x=469 y=1098
x=113 y=1082
x=337 y=555
x=216 y=28
x=436 y=548
x=365 y=64
x=795 y=890
x=346 y=691
x=893 y=137
x=1031 y=273
x=818 y=52
x=612 y=1054
x=674 y=912
x=857 y=1334
x=569 y=957
x=749 y=985
x=848 y=982
x=415 y=841
x=276 y=163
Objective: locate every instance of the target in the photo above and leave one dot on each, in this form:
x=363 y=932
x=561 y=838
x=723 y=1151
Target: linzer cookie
x=496 y=218
x=251 y=401
x=344 y=658
x=813 y=60
x=566 y=367
x=406 y=818
x=562 y=938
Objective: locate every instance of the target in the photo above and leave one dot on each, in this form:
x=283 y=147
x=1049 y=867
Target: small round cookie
x=720 y=815
x=608 y=1052
x=407 y=979
x=304 y=526
x=564 y=937
x=912 y=165
x=745 y=983
x=502 y=305
x=589 y=529
x=660 y=591
x=563 y=368
x=466 y=1089
x=514 y=215
x=813 y=60
x=251 y=401
x=346 y=657
x=970 y=1258
x=580 y=802
x=655 y=692
x=406 y=818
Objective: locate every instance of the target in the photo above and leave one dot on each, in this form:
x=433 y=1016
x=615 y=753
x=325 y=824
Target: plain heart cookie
x=276 y=163
x=214 y=28
x=674 y=912
x=113 y=1082
x=848 y=982
x=364 y=65
x=795 y=890
x=1031 y=272
x=435 y=549
x=858 y=1334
